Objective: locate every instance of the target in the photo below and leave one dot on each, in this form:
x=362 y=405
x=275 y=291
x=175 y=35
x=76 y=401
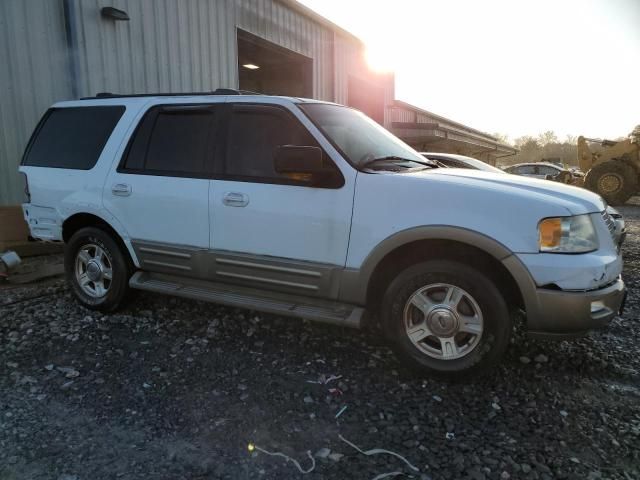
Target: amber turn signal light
x=550 y=232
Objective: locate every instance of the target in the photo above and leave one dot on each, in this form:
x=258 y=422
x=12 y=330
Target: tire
x=95 y=247
x=615 y=181
x=470 y=353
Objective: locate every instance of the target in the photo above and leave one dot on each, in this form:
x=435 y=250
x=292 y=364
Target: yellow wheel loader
x=613 y=170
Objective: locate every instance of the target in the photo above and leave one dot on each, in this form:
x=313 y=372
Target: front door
x=270 y=230
x=160 y=191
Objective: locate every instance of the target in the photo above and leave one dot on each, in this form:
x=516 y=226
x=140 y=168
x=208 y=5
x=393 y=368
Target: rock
x=308 y=399
x=505 y=475
x=322 y=453
x=526 y=468
x=496 y=407
x=541 y=358
x=525 y=360
x=564 y=413
x=476 y=475
x=69 y=372
x=437 y=398
x=66 y=476
x=335 y=456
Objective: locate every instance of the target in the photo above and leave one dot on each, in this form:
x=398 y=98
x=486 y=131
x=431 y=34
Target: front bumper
x=564 y=314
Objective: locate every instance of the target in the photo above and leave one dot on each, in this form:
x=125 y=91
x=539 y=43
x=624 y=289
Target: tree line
x=544 y=147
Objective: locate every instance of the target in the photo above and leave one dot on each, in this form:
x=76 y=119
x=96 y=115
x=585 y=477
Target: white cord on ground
x=387 y=475
x=289 y=459
x=376 y=451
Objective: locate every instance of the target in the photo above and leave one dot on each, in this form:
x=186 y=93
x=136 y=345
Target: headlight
x=567 y=235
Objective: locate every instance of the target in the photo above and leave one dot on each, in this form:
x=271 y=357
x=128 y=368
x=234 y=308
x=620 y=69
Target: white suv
x=312 y=210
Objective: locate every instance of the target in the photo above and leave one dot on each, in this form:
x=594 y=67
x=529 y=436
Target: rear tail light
x=27 y=194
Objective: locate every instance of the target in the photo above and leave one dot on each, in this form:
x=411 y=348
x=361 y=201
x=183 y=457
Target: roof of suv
x=218 y=92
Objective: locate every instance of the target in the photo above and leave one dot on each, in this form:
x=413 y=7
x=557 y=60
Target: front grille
x=610 y=223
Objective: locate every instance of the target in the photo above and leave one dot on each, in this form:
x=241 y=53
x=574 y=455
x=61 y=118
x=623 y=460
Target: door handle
x=121 y=189
x=235 y=199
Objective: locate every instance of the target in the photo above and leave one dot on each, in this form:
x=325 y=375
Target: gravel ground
x=175 y=389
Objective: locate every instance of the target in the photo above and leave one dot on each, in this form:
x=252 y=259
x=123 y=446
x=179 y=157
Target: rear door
x=160 y=190
x=271 y=230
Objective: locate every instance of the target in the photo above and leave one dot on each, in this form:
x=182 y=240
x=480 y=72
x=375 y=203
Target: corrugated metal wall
x=278 y=24
x=33 y=75
x=167 y=46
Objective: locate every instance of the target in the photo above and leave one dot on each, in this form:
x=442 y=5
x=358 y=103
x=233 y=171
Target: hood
x=577 y=200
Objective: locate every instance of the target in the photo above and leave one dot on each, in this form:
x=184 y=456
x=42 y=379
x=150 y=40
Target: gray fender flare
x=355 y=282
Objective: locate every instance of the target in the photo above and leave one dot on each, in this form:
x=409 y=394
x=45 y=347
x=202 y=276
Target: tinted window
x=526 y=170
x=72 y=137
x=547 y=171
x=255 y=133
x=173 y=140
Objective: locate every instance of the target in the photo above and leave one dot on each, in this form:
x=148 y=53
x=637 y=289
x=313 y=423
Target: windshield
x=358 y=137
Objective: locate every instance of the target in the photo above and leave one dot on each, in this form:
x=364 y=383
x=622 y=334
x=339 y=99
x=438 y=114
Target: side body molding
x=355 y=282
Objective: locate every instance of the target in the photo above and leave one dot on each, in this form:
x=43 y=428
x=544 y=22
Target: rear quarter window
x=72 y=137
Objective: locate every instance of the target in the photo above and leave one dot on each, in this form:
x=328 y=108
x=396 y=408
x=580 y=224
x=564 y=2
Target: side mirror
x=294 y=159
x=548 y=177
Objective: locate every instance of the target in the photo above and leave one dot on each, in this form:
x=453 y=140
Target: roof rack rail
x=218 y=91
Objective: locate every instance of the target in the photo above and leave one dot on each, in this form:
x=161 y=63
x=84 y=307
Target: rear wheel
x=446 y=318
x=97 y=270
x=615 y=181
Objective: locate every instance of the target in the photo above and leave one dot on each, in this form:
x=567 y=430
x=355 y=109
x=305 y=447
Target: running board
x=324 y=311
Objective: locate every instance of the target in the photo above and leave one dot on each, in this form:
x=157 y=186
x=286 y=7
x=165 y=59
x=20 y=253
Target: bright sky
x=517 y=67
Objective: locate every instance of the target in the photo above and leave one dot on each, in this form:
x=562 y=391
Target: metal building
x=428 y=132
x=53 y=50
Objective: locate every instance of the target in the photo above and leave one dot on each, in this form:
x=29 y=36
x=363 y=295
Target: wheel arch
x=79 y=220
x=367 y=285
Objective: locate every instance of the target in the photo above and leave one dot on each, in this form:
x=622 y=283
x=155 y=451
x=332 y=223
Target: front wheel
x=97 y=270
x=446 y=318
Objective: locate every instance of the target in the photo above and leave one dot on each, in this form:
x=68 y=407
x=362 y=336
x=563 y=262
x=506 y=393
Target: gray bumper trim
x=561 y=314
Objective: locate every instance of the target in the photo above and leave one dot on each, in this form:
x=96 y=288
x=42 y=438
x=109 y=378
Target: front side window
x=173 y=140
x=72 y=137
x=255 y=134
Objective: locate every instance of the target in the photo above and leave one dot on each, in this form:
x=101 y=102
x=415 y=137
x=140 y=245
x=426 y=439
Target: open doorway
x=265 y=67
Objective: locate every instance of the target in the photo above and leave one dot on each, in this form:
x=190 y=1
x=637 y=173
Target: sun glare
x=380 y=58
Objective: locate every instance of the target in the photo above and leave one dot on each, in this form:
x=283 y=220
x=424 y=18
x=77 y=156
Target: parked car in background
x=310 y=209
x=542 y=170
x=453 y=160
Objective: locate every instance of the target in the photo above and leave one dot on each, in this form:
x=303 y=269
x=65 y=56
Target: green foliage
x=543 y=147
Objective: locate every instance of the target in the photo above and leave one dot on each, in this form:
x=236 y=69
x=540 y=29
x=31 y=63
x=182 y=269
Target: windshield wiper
x=396 y=158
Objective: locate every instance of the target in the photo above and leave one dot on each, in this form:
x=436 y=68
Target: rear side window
x=173 y=141
x=72 y=137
